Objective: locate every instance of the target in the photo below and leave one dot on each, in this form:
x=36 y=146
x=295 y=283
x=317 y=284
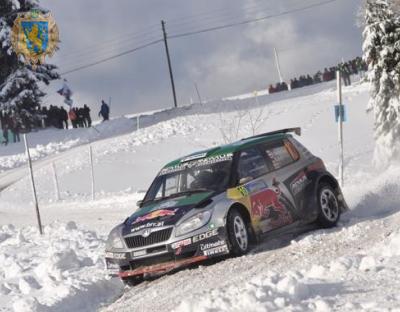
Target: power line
x=114 y=41
x=248 y=21
x=69 y=61
x=112 y=57
x=204 y=30
x=227 y=15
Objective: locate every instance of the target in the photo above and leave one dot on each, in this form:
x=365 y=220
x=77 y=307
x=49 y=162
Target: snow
x=353 y=267
x=56 y=270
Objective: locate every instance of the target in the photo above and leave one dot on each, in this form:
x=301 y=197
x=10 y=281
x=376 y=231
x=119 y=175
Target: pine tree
x=382 y=53
x=20 y=85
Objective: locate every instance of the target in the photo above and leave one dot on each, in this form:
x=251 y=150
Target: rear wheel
x=238 y=233
x=328 y=204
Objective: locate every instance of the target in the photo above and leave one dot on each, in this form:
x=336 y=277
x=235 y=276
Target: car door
x=264 y=196
x=286 y=176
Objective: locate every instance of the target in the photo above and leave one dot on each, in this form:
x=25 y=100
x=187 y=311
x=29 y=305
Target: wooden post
x=35 y=199
x=55 y=180
x=92 y=172
x=340 y=126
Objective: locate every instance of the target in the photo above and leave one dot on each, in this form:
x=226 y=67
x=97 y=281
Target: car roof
x=231 y=148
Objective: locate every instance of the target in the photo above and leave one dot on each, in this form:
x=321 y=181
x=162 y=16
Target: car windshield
x=189 y=178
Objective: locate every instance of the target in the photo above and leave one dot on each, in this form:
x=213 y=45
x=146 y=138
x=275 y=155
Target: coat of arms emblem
x=34 y=36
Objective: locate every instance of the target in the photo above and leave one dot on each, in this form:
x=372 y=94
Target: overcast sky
x=222 y=63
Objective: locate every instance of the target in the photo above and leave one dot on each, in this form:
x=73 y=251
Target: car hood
x=163 y=213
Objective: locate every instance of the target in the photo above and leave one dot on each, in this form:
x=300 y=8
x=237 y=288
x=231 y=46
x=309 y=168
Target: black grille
x=154 y=238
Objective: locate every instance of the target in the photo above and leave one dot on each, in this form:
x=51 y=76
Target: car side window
x=281 y=153
x=251 y=164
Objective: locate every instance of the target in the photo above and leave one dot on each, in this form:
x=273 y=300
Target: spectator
x=15 y=126
x=64 y=117
x=72 y=116
x=86 y=116
x=104 y=111
x=4 y=125
x=81 y=117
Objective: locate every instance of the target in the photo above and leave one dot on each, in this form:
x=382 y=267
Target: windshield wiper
x=188 y=192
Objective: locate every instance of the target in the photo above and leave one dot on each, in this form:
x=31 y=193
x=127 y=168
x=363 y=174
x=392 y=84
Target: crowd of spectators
x=13 y=122
x=354 y=67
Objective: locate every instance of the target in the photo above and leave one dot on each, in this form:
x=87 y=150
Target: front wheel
x=328 y=206
x=238 y=233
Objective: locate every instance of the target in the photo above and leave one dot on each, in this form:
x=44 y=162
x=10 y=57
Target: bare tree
x=244 y=123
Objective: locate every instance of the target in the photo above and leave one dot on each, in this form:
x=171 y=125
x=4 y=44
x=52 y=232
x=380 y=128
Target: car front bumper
x=169 y=255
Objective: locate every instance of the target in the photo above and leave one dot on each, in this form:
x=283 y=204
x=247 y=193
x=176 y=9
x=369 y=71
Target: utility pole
x=278 y=65
x=169 y=63
x=340 y=126
x=198 y=93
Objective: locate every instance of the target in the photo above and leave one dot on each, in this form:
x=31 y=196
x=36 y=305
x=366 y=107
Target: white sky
x=222 y=63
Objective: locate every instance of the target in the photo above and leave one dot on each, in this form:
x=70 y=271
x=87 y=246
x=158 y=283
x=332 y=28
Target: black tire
x=238 y=233
x=328 y=206
x=133 y=280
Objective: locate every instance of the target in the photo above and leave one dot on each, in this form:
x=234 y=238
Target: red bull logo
x=266 y=205
x=156 y=214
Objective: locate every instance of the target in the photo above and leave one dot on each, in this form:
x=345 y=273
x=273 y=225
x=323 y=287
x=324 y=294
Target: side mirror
x=245 y=180
x=139 y=203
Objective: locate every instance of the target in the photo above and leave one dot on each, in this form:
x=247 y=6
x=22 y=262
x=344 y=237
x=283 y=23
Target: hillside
x=351 y=267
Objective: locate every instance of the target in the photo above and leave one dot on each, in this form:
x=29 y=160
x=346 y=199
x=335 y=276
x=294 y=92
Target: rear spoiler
x=296 y=131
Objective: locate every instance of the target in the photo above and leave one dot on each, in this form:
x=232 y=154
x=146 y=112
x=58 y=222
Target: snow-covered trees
x=20 y=85
x=382 y=53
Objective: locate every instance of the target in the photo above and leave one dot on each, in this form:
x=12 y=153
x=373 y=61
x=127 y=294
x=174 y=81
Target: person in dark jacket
x=81 y=118
x=86 y=115
x=64 y=117
x=5 y=132
x=104 y=111
x=15 y=126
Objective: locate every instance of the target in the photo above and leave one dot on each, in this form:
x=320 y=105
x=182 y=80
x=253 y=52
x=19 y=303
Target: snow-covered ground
x=349 y=268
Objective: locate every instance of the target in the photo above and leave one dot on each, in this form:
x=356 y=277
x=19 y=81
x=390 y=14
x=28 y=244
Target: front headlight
x=194 y=223
x=114 y=241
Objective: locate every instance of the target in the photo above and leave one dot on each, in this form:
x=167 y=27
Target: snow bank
x=62 y=270
x=53 y=141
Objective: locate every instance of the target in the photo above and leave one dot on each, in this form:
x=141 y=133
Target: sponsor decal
x=215 y=251
x=147 y=225
x=243 y=191
x=256 y=186
x=204 y=236
x=115 y=255
x=112 y=267
x=299 y=183
x=191 y=240
x=139 y=253
x=267 y=206
x=197 y=163
x=252 y=187
x=182 y=243
x=207 y=246
x=194 y=157
x=156 y=214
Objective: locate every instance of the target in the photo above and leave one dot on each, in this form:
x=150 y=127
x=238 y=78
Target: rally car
x=222 y=201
